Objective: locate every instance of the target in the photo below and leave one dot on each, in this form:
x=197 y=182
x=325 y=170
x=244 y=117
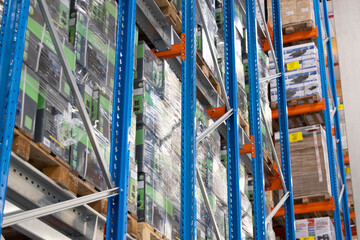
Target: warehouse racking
x=149 y=16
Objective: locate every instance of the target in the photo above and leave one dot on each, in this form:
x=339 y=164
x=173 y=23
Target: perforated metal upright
x=328 y=127
x=188 y=124
x=233 y=154
x=339 y=147
x=255 y=122
x=12 y=40
x=283 y=121
x=121 y=119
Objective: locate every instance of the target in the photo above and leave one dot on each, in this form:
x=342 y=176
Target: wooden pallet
x=55 y=168
x=147 y=232
x=299 y=101
x=298 y=26
x=312 y=199
x=208 y=73
x=244 y=124
x=132 y=225
x=268 y=158
x=171 y=13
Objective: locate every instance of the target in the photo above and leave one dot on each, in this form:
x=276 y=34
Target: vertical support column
x=339 y=148
x=255 y=122
x=328 y=128
x=188 y=124
x=121 y=119
x=283 y=122
x=12 y=40
x=233 y=154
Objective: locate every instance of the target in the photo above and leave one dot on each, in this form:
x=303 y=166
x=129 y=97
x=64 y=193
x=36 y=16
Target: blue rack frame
x=188 y=123
x=12 y=41
x=121 y=119
x=339 y=148
x=233 y=154
x=328 y=128
x=283 y=121
x=255 y=122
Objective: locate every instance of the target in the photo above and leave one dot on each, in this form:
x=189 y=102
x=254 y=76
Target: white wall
x=347 y=19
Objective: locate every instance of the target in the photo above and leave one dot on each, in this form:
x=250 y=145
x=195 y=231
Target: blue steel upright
x=328 y=128
x=188 y=124
x=233 y=154
x=339 y=148
x=12 y=40
x=255 y=122
x=121 y=119
x=283 y=122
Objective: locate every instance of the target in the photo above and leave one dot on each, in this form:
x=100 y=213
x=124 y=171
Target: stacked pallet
x=296 y=15
x=309 y=162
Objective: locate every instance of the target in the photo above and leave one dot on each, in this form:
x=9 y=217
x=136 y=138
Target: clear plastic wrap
x=48 y=131
x=27 y=100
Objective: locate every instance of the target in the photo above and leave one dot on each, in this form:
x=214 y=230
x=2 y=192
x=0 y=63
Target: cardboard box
x=319 y=228
x=308 y=178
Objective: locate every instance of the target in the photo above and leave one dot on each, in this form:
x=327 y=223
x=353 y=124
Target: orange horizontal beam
x=346 y=159
x=309 y=208
x=175 y=51
x=298 y=36
x=215 y=113
x=301 y=109
x=352 y=215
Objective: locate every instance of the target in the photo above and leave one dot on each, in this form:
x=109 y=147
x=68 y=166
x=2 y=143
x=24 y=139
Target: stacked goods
x=309 y=161
x=157 y=104
x=202 y=43
x=44 y=93
x=46 y=109
x=302 y=77
x=317 y=228
x=293 y=12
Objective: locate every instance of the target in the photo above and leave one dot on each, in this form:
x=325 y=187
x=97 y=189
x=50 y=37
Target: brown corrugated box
x=293 y=11
x=308 y=179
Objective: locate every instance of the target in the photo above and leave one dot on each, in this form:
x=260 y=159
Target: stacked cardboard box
x=293 y=11
x=302 y=76
x=309 y=161
x=318 y=228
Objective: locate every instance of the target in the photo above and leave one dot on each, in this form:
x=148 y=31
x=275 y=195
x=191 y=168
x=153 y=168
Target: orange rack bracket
x=301 y=109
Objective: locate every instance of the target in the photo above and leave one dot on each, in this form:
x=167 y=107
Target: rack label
x=341 y=106
x=307 y=238
x=295 y=137
x=293 y=66
x=347 y=170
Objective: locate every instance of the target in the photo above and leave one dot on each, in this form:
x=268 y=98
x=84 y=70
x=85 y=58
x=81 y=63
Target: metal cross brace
x=57 y=207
